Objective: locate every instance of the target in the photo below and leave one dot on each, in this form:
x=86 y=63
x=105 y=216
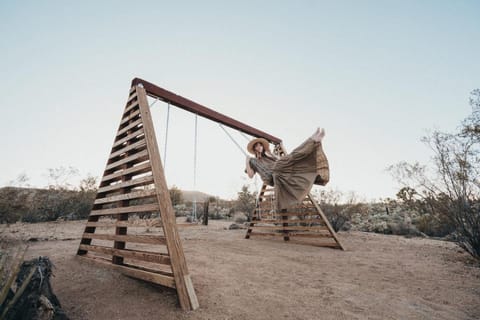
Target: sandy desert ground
x=377 y=277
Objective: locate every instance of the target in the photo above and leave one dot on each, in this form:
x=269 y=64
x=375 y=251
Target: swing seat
x=322 y=168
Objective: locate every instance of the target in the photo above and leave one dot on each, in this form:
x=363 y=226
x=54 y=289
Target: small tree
x=176 y=195
x=338 y=207
x=246 y=201
x=452 y=191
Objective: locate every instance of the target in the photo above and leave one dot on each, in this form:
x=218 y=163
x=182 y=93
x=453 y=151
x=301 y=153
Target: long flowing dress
x=293 y=175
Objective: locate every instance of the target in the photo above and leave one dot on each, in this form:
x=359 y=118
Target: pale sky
x=375 y=74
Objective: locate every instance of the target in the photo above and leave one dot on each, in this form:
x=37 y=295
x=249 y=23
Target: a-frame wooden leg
x=134 y=183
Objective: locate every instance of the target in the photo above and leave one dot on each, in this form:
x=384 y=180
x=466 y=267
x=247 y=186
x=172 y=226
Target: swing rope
x=257 y=188
x=194 y=213
x=166 y=138
x=234 y=141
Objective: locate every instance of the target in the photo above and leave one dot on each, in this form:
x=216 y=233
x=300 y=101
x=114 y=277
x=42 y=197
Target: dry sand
x=378 y=277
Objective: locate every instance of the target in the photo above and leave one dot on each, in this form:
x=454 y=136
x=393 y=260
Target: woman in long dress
x=293 y=175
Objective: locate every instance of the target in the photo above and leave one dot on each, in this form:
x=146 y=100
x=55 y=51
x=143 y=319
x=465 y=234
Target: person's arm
x=271 y=155
x=250 y=171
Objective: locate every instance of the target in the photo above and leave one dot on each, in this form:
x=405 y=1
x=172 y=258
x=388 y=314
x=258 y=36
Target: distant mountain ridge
x=189 y=195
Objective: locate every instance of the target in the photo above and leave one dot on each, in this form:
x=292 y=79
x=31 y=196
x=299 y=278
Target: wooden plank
x=187 y=297
x=327 y=223
x=161 y=279
x=130 y=116
x=289 y=221
x=200 y=110
x=135 y=273
x=127 y=138
x=311 y=235
x=137 y=145
x=138 y=157
x=127 y=196
x=129 y=209
x=147 y=239
x=131 y=104
x=135 y=170
x=128 y=224
x=316 y=228
x=130 y=183
x=129 y=127
x=299 y=214
x=316 y=243
x=148 y=256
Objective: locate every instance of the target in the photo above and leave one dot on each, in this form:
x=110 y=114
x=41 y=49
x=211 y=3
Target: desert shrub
x=402 y=229
x=240 y=217
x=39 y=205
x=339 y=208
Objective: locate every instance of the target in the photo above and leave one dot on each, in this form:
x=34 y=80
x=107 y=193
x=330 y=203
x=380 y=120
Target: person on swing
x=292 y=175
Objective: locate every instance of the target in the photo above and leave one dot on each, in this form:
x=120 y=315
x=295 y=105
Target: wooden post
x=183 y=282
x=205 y=213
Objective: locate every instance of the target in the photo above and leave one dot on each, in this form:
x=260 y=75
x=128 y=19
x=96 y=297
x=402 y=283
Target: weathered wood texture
x=191 y=106
x=133 y=184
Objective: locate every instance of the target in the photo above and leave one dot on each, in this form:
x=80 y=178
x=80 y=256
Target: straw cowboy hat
x=264 y=142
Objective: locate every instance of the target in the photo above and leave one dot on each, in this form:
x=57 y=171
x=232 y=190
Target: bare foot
x=318 y=135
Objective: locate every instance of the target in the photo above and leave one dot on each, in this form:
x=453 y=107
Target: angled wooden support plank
x=186 y=294
x=327 y=223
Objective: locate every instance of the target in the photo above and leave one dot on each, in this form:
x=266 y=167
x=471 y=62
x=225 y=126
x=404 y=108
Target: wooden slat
x=273 y=234
x=148 y=256
x=316 y=228
x=148 y=239
x=288 y=221
x=129 y=137
x=132 y=102
x=127 y=196
x=129 y=127
x=129 y=117
x=137 y=145
x=311 y=235
x=141 y=168
x=135 y=273
x=311 y=213
x=139 y=157
x=128 y=224
x=130 y=183
x=130 y=209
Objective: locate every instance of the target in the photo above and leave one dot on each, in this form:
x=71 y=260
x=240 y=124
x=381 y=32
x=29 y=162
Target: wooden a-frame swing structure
x=134 y=184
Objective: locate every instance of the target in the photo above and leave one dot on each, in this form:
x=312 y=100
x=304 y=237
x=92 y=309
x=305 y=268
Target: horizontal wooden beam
x=191 y=106
x=146 y=239
x=136 y=273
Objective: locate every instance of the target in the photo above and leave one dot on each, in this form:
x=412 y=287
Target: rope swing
x=194 y=212
x=166 y=138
